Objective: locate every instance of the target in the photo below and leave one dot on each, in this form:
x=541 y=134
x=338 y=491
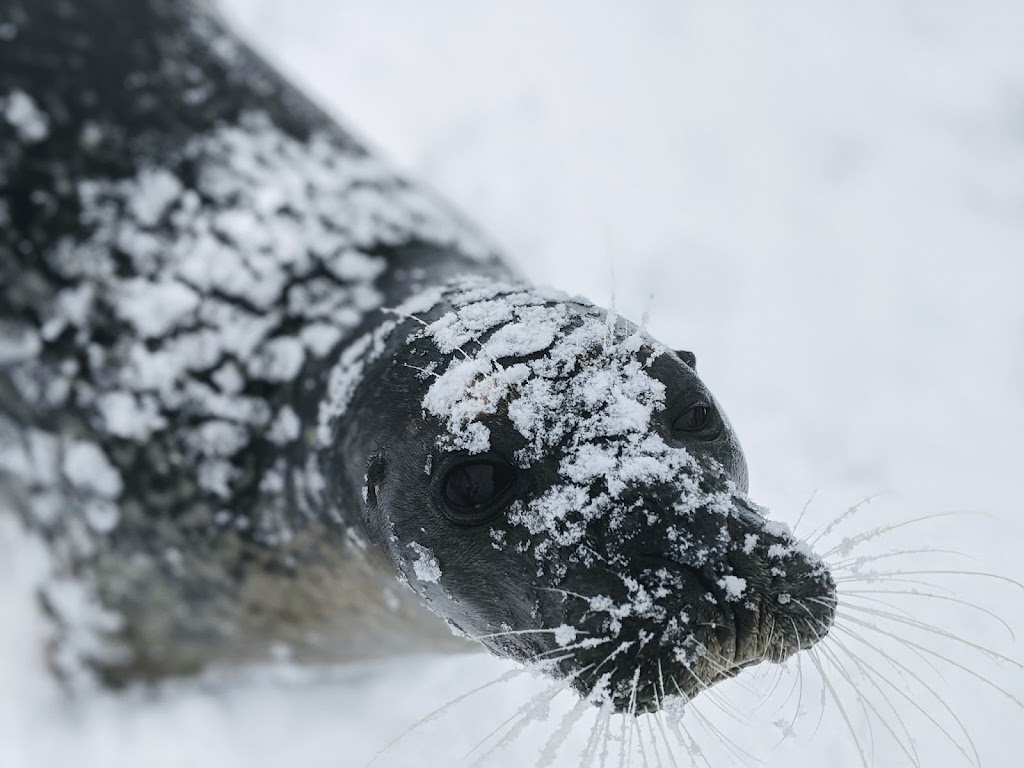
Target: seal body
x=185 y=242
x=248 y=375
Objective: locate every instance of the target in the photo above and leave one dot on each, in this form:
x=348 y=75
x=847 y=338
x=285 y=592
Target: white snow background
x=824 y=201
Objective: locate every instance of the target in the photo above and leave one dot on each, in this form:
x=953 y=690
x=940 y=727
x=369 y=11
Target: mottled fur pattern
x=185 y=243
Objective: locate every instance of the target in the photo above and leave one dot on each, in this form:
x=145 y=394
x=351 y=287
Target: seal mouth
x=703 y=635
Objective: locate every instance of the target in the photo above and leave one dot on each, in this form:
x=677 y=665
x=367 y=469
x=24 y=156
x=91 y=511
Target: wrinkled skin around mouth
x=749 y=596
x=621 y=549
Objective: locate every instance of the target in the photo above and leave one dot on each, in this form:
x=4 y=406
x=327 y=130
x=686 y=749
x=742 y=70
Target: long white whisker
x=842 y=710
x=937 y=631
x=803 y=511
x=864 y=593
x=981 y=574
x=850 y=543
x=900 y=666
x=930 y=652
x=869 y=674
x=853 y=564
x=441 y=710
x=815 y=536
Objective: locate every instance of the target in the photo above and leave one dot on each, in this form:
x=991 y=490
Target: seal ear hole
x=376 y=468
x=687 y=357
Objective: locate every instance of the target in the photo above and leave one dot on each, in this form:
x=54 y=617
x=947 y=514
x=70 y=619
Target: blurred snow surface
x=825 y=203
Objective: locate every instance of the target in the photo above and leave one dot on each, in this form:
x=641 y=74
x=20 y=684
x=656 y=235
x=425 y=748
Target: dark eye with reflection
x=472 y=490
x=698 y=420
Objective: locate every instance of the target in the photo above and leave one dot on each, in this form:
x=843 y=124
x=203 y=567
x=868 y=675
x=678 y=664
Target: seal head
x=556 y=483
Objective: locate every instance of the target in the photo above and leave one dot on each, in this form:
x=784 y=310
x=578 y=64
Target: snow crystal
x=279 y=359
x=155 y=307
x=565 y=635
x=320 y=338
x=425 y=565
x=87 y=467
x=157 y=190
x=285 y=427
x=101 y=515
x=125 y=415
x=734 y=587
x=21 y=111
x=18 y=342
x=220 y=438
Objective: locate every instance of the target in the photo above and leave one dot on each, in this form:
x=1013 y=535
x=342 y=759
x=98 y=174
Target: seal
x=249 y=375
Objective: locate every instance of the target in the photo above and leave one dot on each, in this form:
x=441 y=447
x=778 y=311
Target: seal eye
x=471 y=488
x=697 y=418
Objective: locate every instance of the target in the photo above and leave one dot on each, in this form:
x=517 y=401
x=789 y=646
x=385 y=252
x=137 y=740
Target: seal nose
x=795 y=586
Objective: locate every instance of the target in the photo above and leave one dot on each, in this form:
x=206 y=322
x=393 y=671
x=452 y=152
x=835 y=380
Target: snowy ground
x=825 y=204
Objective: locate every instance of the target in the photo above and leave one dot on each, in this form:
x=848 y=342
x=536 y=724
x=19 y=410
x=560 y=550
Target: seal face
x=248 y=375
x=559 y=483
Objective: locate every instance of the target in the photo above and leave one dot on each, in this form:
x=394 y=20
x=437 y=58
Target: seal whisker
x=716 y=733
x=899 y=638
x=730 y=744
x=711 y=695
x=937 y=631
x=848 y=544
x=659 y=719
x=842 y=710
x=606 y=741
x=858 y=696
x=549 y=692
x=513 y=632
x=550 y=749
x=870 y=674
x=590 y=642
x=632 y=718
x=397 y=313
x=864 y=594
x=785 y=667
x=824 y=689
x=854 y=595
x=624 y=752
x=593 y=741
x=566 y=592
x=929 y=662
x=726 y=672
x=816 y=535
x=554 y=690
x=526 y=714
x=779 y=672
x=659 y=696
x=875 y=579
x=692 y=748
x=864 y=705
x=648 y=718
x=797 y=687
x=944 y=572
x=899 y=667
x=852 y=564
x=423 y=371
x=803 y=510
x=435 y=713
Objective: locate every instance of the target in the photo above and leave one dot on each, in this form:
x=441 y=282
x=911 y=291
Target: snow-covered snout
x=570 y=493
